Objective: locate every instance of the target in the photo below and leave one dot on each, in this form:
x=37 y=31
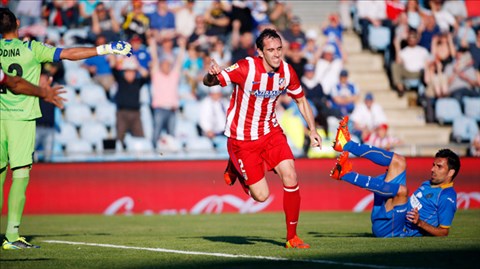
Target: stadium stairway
x=406 y=120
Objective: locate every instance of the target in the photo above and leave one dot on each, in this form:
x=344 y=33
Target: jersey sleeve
x=45 y=53
x=447 y=206
x=294 y=88
x=236 y=73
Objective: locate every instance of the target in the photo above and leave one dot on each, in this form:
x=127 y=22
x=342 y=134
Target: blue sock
x=377 y=155
x=373 y=184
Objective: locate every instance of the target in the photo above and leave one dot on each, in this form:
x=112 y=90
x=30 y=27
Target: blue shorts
x=389 y=224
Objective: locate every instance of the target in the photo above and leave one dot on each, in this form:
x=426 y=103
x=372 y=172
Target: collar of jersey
x=444 y=186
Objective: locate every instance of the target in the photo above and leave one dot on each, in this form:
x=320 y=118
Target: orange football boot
x=342 y=166
x=296 y=242
x=343 y=135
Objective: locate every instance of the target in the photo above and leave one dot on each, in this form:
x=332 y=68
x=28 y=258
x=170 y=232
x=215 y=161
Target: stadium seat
x=472 y=107
x=447 y=109
x=93 y=132
x=70 y=95
x=92 y=94
x=200 y=144
x=138 y=145
x=147 y=120
x=464 y=129
x=185 y=130
x=169 y=144
x=68 y=132
x=78 y=114
x=106 y=113
x=145 y=95
x=190 y=110
x=379 y=38
x=77 y=77
x=77 y=147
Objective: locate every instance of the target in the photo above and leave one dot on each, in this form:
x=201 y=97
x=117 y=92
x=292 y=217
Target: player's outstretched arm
x=413 y=217
x=210 y=79
x=50 y=94
x=80 y=53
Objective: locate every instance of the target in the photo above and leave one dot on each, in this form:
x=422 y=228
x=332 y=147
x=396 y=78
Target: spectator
x=185 y=19
x=314 y=93
x=241 y=11
x=462 y=76
x=242 y=44
x=29 y=12
x=140 y=51
x=192 y=67
x=296 y=58
x=429 y=29
x=344 y=94
x=162 y=22
x=327 y=68
x=127 y=98
x=443 y=48
x=217 y=19
x=311 y=50
x=455 y=7
x=220 y=54
x=279 y=13
x=381 y=139
x=437 y=87
x=45 y=126
x=62 y=14
x=100 y=67
x=87 y=7
x=371 y=12
x=444 y=19
x=294 y=33
x=136 y=22
x=345 y=8
x=414 y=14
x=104 y=22
x=165 y=78
x=366 y=116
x=465 y=35
x=475 y=50
x=409 y=62
x=213 y=115
x=332 y=28
x=199 y=36
x=475 y=146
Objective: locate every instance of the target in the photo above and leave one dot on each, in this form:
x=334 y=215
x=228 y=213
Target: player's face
x=272 y=53
x=440 y=172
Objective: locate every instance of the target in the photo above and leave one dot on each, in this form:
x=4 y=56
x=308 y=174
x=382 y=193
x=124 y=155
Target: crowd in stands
x=158 y=96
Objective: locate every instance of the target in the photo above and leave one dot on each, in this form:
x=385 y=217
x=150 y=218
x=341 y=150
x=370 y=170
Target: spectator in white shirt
x=213 y=114
x=366 y=116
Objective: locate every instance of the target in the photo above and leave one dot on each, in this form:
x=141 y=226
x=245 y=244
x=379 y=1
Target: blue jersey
x=436 y=206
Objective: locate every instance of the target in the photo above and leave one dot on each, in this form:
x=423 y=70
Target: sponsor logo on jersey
x=232 y=67
x=267 y=94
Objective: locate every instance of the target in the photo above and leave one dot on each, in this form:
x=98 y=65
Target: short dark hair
x=453 y=161
x=8 y=21
x=266 y=33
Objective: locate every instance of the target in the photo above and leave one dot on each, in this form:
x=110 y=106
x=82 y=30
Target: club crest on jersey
x=281 y=83
x=231 y=68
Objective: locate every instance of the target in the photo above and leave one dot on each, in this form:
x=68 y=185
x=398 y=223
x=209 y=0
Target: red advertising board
x=194 y=187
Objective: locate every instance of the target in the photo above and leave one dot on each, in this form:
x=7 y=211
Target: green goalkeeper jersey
x=23 y=59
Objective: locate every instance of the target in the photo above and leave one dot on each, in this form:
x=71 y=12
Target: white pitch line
x=226 y=255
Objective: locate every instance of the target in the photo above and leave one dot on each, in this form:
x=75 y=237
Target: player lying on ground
x=428 y=211
x=18 y=112
x=18 y=85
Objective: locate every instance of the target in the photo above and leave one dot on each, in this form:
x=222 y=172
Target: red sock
x=291 y=206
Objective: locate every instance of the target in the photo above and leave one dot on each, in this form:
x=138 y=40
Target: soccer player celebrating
x=17 y=124
x=428 y=211
x=255 y=138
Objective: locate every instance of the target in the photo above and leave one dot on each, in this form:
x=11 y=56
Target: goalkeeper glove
x=116 y=47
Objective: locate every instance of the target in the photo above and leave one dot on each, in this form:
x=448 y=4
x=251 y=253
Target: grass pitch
x=338 y=240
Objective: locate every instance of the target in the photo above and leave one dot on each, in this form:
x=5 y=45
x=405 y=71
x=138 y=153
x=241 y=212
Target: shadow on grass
x=242 y=240
x=317 y=234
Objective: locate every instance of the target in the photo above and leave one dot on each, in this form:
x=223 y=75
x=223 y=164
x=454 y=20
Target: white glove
x=116 y=47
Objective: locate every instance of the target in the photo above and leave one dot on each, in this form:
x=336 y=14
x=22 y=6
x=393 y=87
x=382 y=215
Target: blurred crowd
x=158 y=94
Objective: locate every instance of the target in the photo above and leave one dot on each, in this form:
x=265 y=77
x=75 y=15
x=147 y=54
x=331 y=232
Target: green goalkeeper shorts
x=17 y=142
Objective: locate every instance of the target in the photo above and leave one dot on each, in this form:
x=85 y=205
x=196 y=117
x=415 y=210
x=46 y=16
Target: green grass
x=339 y=237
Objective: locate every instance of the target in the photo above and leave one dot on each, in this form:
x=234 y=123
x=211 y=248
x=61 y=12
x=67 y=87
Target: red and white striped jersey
x=251 y=113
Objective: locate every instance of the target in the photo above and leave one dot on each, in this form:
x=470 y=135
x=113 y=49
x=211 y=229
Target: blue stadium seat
x=78 y=147
x=78 y=114
x=379 y=37
x=93 y=132
x=447 y=109
x=106 y=113
x=464 y=129
x=472 y=107
x=92 y=94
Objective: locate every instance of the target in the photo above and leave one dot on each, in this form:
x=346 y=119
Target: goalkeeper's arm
x=80 y=53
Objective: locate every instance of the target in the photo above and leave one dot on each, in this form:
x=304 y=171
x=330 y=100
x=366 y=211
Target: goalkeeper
x=18 y=112
x=428 y=211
